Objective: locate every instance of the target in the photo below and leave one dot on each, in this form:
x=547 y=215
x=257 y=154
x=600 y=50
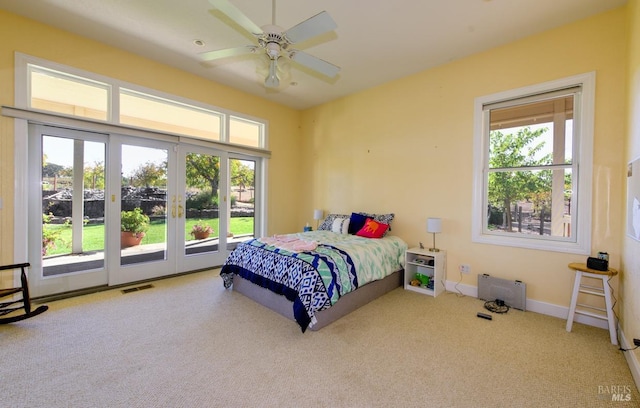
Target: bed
x=319 y=276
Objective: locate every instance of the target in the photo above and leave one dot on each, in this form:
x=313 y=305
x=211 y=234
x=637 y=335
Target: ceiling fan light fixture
x=274 y=44
x=272 y=80
x=273 y=50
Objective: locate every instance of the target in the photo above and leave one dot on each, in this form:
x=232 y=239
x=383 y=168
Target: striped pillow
x=340 y=225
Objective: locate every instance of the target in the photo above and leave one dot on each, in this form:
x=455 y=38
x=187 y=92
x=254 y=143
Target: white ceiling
x=375 y=42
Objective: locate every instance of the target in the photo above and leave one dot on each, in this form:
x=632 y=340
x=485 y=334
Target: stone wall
x=59 y=203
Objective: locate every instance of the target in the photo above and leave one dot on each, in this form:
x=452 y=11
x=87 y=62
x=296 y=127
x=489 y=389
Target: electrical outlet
x=464 y=268
x=636 y=342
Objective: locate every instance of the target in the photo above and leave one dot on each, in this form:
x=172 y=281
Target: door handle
x=180 y=207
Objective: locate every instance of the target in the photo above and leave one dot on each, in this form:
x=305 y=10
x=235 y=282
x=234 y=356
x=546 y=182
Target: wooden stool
x=578 y=287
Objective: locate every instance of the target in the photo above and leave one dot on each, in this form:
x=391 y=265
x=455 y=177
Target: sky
x=60 y=151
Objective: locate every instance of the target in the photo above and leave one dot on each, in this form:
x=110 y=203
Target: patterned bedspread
x=314 y=280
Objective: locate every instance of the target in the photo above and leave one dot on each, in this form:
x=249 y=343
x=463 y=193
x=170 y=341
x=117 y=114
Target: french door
x=82 y=184
x=143 y=177
x=66 y=252
x=201 y=207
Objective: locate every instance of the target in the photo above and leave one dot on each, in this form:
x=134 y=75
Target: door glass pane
x=143 y=217
x=73 y=232
x=242 y=203
x=202 y=203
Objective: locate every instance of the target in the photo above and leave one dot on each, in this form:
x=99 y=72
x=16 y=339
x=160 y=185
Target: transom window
x=245 y=132
x=151 y=112
x=68 y=91
x=532 y=165
x=72 y=95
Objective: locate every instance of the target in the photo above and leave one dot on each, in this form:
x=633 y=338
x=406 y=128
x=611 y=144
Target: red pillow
x=372 y=229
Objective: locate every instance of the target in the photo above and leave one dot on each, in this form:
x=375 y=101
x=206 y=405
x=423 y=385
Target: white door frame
x=205 y=259
x=121 y=274
x=25 y=238
x=39 y=284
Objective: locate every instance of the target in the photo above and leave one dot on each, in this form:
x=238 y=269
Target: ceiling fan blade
x=228 y=52
x=319 y=24
x=236 y=15
x=315 y=63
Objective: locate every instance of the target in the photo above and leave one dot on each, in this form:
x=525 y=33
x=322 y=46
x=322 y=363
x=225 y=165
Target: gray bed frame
x=347 y=303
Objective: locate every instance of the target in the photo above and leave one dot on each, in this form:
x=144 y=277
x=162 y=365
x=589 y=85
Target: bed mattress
x=315 y=269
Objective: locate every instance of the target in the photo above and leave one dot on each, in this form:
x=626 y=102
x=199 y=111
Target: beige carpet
x=187 y=342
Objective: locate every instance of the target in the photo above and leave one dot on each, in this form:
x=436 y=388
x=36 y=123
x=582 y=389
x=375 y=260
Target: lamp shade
x=434 y=225
x=317 y=214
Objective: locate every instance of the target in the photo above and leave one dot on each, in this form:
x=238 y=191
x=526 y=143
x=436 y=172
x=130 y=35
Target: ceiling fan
x=275 y=42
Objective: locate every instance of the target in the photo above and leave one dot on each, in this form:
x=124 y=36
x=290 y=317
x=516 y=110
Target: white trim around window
x=115 y=87
x=583 y=154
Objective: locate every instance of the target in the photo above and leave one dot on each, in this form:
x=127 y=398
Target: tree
x=150 y=174
x=514 y=151
x=94 y=176
x=241 y=175
x=51 y=169
x=203 y=170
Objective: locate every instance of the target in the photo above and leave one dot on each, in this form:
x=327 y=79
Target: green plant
x=202 y=200
x=49 y=236
x=134 y=221
x=52 y=233
x=159 y=210
x=201 y=228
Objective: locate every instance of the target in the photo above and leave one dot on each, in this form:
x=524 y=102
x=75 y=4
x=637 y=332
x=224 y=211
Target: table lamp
x=317 y=215
x=434 y=226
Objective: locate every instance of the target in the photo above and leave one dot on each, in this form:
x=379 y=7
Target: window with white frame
x=533 y=154
x=64 y=90
x=60 y=92
x=47 y=90
x=245 y=132
x=151 y=112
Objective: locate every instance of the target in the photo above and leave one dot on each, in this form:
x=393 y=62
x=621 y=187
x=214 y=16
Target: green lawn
x=93 y=235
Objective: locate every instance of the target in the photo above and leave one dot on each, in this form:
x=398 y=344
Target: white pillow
x=340 y=226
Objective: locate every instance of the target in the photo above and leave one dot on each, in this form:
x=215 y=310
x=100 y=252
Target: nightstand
x=426 y=263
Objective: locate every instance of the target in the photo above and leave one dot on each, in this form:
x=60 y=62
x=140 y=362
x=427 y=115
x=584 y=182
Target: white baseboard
x=461 y=288
x=632 y=359
x=537 y=306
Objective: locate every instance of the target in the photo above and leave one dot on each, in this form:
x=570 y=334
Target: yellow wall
x=630 y=279
x=407 y=147
x=35 y=39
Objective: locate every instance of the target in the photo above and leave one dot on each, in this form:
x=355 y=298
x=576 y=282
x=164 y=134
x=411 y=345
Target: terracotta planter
x=201 y=235
x=129 y=239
